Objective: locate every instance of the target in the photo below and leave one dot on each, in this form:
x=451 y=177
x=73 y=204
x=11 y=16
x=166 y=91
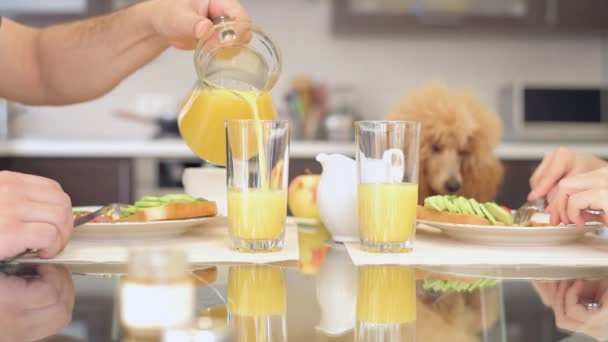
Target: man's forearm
x=77 y=61
x=83 y=60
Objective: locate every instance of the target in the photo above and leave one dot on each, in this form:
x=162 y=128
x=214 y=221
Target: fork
x=523 y=215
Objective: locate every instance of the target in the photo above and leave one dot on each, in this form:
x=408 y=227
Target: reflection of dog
x=457 y=142
x=456 y=317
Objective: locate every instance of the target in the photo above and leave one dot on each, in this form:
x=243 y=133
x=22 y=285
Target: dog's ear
x=482 y=175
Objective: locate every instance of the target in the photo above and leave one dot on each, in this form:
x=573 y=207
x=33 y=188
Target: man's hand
x=184 y=22
x=35 y=307
x=35 y=214
x=575 y=193
x=556 y=165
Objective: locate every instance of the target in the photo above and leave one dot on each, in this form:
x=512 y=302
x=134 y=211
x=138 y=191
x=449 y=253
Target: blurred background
x=366 y=54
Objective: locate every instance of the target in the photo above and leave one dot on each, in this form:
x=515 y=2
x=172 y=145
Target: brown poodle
x=457 y=142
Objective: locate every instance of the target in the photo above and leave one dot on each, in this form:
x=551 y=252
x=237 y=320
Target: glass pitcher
x=237 y=66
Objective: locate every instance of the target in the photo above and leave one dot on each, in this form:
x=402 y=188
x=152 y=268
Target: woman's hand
x=559 y=164
x=567 y=298
x=575 y=193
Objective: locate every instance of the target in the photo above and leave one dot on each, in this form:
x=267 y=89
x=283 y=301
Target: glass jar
x=157 y=293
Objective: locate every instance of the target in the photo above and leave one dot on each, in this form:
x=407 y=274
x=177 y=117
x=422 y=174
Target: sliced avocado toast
x=157 y=201
x=453 y=204
x=444 y=286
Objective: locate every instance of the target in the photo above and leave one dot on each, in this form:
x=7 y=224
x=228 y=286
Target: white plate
x=597 y=239
x=512 y=236
x=136 y=230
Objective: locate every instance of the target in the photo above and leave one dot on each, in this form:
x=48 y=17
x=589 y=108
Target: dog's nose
x=452 y=185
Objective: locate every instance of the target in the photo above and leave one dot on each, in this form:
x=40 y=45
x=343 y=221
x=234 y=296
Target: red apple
x=302 y=198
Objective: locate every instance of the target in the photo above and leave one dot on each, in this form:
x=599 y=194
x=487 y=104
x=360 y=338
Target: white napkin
x=205 y=244
x=434 y=249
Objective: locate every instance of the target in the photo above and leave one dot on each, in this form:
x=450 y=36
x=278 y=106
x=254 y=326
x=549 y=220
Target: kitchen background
x=380 y=67
x=379 y=49
x=379 y=56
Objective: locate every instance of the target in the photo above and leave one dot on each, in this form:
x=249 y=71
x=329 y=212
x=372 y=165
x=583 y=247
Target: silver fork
x=523 y=215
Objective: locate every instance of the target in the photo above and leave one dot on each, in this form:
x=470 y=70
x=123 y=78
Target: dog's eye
x=436 y=148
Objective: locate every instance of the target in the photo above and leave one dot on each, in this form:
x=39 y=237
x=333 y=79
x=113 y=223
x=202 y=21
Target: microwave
x=545 y=112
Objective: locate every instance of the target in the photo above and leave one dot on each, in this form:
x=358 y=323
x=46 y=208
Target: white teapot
x=337 y=197
x=337 y=189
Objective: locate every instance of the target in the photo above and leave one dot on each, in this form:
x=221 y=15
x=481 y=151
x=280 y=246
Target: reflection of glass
x=237 y=64
x=157 y=294
x=387 y=168
x=258 y=165
x=257 y=303
x=386 y=304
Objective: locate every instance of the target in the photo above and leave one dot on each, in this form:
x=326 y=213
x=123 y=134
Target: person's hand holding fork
x=571 y=182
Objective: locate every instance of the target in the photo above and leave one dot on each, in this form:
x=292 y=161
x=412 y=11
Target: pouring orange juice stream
x=201 y=124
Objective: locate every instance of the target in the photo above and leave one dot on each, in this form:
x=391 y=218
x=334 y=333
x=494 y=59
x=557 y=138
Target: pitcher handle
x=394 y=160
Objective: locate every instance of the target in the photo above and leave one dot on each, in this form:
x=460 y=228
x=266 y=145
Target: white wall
x=381 y=68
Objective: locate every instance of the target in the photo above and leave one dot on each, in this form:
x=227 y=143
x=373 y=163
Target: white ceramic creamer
x=337 y=197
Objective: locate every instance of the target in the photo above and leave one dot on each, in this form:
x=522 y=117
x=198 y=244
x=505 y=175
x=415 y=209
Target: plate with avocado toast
x=150 y=217
x=491 y=224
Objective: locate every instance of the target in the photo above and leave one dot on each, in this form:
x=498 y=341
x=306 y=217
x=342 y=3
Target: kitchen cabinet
x=488 y=16
x=88 y=181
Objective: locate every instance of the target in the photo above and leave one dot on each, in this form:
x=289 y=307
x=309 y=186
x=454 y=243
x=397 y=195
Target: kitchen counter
x=175 y=148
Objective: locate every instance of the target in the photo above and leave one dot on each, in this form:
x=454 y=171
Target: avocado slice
x=476 y=207
x=450 y=205
x=148 y=204
x=465 y=206
x=487 y=214
x=430 y=203
x=442 y=202
x=177 y=198
x=150 y=199
x=438 y=202
x=499 y=213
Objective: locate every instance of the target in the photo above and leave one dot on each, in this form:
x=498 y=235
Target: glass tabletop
x=323 y=297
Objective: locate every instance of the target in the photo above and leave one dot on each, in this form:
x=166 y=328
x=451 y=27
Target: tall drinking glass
x=257 y=303
x=387 y=167
x=257 y=174
x=386 y=304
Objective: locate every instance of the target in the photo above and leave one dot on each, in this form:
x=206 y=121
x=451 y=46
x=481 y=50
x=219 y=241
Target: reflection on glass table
x=35 y=302
x=324 y=297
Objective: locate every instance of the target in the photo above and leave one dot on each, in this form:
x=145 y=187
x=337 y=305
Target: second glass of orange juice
x=387 y=168
x=257 y=167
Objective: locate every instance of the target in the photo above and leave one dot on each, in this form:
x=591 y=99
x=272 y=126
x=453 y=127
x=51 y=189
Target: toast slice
x=175 y=211
x=428 y=214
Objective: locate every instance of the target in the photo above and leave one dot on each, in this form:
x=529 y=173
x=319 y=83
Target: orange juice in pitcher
x=237 y=65
x=201 y=121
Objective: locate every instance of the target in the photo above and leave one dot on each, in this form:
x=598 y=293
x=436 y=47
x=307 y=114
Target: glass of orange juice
x=257 y=303
x=387 y=168
x=257 y=169
x=386 y=304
